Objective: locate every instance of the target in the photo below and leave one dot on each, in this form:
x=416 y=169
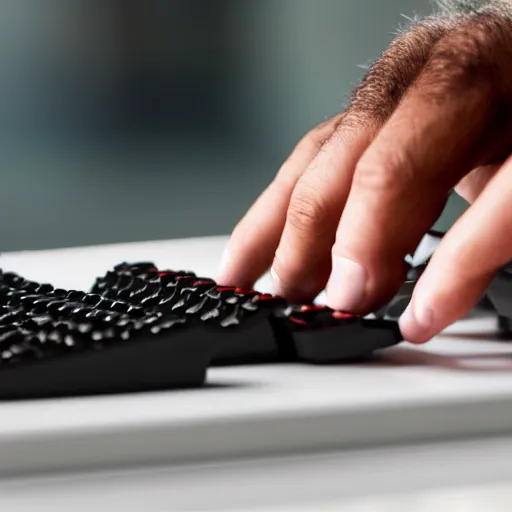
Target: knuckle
x=313 y=141
x=353 y=125
x=306 y=149
x=377 y=176
x=305 y=211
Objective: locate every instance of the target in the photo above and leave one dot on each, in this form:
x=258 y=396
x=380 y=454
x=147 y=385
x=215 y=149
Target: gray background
x=127 y=120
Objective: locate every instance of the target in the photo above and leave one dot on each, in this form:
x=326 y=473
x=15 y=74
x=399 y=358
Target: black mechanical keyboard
x=140 y=329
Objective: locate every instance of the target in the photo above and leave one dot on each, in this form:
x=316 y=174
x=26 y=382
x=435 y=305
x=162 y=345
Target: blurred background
x=123 y=120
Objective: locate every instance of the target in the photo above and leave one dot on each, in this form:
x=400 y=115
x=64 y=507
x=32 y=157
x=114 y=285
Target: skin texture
x=433 y=114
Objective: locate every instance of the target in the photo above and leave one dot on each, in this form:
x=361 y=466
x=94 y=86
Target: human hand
x=357 y=194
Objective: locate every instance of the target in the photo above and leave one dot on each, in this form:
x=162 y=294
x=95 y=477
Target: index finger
x=252 y=244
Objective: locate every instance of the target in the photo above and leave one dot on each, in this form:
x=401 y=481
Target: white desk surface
x=458 y=385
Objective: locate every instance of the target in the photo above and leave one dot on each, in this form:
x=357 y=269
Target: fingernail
x=277 y=284
x=302 y=289
x=417 y=323
x=223 y=269
x=347 y=284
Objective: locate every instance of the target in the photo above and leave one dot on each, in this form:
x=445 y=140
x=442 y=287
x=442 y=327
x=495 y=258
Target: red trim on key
x=199 y=283
x=342 y=316
x=183 y=277
x=312 y=307
x=242 y=291
x=298 y=321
